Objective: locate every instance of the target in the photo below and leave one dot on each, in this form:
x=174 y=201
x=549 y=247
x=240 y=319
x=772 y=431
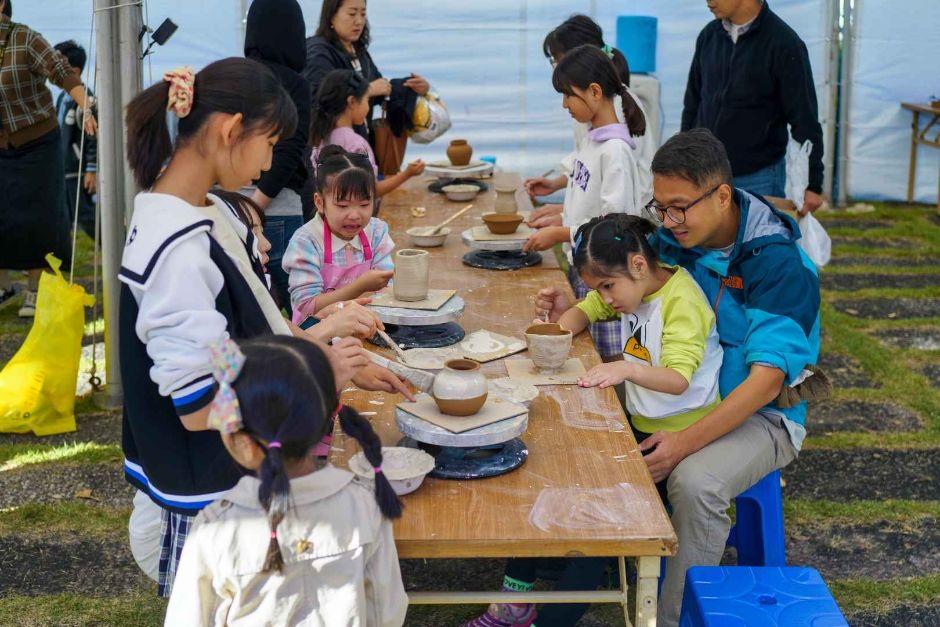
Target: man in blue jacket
x=765 y=292
x=751 y=77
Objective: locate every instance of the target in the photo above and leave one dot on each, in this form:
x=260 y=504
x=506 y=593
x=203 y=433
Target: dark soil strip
x=890 y=308
x=9 y=344
x=878 y=551
x=861 y=225
x=69 y=565
x=861 y=281
x=864 y=473
x=932 y=372
x=923 y=338
x=845 y=372
x=101 y=427
x=52 y=483
x=875 y=243
x=908 y=616
x=834 y=415
x=890 y=262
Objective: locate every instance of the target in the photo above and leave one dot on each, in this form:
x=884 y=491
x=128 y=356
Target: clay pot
x=459 y=152
x=549 y=346
x=460 y=389
x=502 y=223
x=506 y=200
x=412 y=267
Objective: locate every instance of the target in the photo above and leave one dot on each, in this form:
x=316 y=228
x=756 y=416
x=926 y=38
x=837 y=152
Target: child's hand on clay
x=543 y=239
x=374 y=280
x=605 y=375
x=415 y=168
x=353 y=320
x=551 y=301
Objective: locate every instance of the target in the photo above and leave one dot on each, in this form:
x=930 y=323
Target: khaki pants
x=701 y=489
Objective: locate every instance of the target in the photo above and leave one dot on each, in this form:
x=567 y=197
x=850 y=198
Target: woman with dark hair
x=274 y=36
x=33 y=212
x=342 y=43
x=579 y=30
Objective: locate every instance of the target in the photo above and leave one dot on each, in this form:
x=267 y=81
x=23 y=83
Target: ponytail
x=360 y=430
x=605 y=244
x=632 y=114
x=274 y=495
x=233 y=85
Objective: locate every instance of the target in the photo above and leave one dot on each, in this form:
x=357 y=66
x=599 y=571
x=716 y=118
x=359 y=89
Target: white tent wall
x=896 y=49
x=484 y=58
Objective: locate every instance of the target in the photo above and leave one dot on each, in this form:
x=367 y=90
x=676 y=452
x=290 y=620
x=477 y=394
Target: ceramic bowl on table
x=460 y=192
x=502 y=223
x=405 y=468
x=427 y=241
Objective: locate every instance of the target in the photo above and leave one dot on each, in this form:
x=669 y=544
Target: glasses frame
x=659 y=212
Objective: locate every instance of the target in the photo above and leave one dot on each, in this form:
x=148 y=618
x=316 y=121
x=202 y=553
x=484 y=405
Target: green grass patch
x=808 y=513
x=141 y=610
x=13 y=456
x=880 y=596
x=66 y=517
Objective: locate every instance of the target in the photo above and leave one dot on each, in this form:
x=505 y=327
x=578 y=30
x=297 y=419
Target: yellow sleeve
x=596 y=309
x=687 y=321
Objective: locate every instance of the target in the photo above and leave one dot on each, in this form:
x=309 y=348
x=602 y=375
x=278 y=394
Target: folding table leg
x=647 y=584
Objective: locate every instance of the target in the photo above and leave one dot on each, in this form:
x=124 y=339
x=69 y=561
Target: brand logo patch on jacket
x=581 y=175
x=733 y=282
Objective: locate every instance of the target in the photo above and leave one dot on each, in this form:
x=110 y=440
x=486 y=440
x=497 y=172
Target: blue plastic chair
x=746 y=596
x=758 y=530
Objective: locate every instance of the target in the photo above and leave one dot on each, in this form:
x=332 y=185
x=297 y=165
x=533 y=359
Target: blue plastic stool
x=745 y=596
x=758 y=530
x=636 y=39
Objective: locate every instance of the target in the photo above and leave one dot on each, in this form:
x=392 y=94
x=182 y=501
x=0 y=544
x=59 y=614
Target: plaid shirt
x=29 y=61
x=304 y=257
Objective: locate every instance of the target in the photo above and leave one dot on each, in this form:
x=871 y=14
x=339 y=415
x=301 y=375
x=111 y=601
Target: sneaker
x=505 y=615
x=28 y=310
x=6 y=295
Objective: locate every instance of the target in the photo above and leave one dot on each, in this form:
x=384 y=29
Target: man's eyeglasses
x=676 y=213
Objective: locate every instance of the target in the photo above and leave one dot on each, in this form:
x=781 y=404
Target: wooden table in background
x=919 y=136
x=581 y=450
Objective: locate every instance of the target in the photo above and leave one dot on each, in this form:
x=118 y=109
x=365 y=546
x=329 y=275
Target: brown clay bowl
x=502 y=223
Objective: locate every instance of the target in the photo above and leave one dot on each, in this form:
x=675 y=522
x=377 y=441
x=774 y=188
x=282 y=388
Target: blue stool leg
x=758 y=532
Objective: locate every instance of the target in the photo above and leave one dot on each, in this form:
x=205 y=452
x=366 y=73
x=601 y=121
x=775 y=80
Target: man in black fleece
x=750 y=77
x=275 y=36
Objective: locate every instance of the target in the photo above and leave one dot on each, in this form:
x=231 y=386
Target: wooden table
x=919 y=136
x=584 y=490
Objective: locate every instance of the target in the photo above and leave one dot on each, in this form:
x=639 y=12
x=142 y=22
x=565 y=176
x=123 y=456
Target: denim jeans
x=769 y=181
x=278 y=230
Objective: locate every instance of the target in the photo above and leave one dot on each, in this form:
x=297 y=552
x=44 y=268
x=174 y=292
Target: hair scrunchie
x=606 y=49
x=180 y=100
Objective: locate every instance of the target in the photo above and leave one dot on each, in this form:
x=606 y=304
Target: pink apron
x=335 y=277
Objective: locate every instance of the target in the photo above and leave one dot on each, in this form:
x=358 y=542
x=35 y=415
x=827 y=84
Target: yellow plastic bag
x=37 y=386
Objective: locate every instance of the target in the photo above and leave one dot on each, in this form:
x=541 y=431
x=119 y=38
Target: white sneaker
x=28 y=310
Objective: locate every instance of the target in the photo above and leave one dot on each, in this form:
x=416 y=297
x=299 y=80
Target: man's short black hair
x=8 y=8
x=74 y=53
x=696 y=156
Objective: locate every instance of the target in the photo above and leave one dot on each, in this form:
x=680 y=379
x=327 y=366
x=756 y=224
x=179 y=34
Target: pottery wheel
x=495 y=433
x=503 y=245
x=496 y=260
x=449 y=312
x=429 y=336
x=473 y=463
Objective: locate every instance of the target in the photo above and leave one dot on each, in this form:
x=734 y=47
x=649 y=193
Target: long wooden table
x=584 y=490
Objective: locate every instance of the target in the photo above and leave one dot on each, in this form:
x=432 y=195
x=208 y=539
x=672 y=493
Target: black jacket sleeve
x=693 y=87
x=798 y=92
x=321 y=60
x=289 y=152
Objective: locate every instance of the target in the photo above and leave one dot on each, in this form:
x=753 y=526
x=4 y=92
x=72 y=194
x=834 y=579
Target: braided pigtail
x=358 y=428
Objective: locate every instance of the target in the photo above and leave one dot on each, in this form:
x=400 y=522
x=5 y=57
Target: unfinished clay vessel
x=411 y=274
x=502 y=223
x=549 y=346
x=460 y=389
x=459 y=152
x=506 y=199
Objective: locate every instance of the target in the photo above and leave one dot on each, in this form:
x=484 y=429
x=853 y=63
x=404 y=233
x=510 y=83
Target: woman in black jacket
x=274 y=36
x=342 y=43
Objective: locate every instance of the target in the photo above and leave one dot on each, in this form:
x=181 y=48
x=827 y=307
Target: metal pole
x=845 y=99
x=832 y=95
x=130 y=22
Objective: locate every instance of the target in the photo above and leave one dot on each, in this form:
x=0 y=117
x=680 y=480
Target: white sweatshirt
x=604 y=179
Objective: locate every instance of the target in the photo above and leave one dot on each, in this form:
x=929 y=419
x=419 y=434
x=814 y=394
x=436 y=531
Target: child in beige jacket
x=290 y=544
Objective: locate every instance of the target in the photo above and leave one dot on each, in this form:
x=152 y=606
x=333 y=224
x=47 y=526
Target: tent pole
x=845 y=97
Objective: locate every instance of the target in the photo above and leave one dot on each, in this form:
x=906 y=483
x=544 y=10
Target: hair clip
x=227 y=361
x=577 y=239
x=608 y=51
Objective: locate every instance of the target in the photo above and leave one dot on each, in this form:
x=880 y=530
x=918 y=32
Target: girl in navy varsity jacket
x=192 y=277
